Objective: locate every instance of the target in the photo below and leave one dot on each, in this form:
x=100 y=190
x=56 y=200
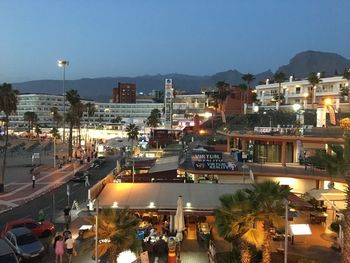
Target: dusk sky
x=137 y=37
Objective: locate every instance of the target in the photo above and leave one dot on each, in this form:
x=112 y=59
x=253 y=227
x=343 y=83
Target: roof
x=327 y=194
x=298 y=202
x=5 y=248
x=203 y=197
x=20 y=231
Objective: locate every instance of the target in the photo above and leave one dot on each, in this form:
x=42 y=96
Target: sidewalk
x=18 y=193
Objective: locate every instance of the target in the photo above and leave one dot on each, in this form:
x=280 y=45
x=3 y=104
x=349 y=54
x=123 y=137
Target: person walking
x=66 y=212
x=59 y=248
x=33 y=180
x=87 y=183
x=69 y=248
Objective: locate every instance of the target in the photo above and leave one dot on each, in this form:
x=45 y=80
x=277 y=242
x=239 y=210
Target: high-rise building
x=124 y=93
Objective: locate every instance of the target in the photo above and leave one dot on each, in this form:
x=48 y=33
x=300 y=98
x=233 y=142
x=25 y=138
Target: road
x=78 y=192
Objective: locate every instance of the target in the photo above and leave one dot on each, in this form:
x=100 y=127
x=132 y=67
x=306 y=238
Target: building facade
x=42 y=105
x=302 y=92
x=124 y=93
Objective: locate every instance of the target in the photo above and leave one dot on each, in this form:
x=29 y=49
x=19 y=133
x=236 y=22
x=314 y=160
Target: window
x=297 y=90
x=31 y=225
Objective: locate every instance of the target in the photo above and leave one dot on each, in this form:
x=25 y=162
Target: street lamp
x=63 y=64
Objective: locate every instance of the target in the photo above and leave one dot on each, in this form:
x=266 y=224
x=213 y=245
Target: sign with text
x=220 y=166
x=207 y=157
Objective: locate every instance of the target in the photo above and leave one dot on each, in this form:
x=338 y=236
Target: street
x=78 y=192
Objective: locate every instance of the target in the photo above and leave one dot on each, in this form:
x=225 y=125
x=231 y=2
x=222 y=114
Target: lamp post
x=286 y=232
x=63 y=64
x=96 y=231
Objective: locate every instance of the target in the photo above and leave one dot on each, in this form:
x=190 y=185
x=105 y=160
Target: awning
x=163 y=196
x=297 y=202
x=327 y=194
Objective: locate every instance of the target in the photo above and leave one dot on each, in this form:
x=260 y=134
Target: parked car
x=39 y=229
x=6 y=253
x=24 y=243
x=80 y=175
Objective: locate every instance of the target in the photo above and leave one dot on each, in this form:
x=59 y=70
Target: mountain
x=302 y=64
x=100 y=89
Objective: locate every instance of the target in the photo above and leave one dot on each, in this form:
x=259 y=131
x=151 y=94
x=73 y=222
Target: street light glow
x=328 y=101
x=62 y=63
x=296 y=107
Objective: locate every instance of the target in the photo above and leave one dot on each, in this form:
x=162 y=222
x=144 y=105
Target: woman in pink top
x=59 y=249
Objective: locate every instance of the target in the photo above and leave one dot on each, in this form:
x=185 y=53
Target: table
x=318 y=217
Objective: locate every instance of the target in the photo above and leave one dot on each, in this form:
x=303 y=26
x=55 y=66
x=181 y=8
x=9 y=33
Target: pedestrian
x=161 y=250
x=87 y=183
x=66 y=233
x=69 y=248
x=33 y=180
x=59 y=248
x=41 y=216
x=66 y=212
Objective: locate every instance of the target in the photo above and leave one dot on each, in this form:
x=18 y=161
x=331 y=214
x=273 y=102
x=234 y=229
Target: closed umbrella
x=179 y=218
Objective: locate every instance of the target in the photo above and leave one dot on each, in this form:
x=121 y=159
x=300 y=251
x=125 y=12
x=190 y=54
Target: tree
x=243 y=87
x=248 y=78
x=118 y=227
x=153 y=120
x=38 y=131
x=337 y=165
x=56 y=117
x=344 y=90
x=73 y=116
x=223 y=90
x=279 y=78
x=32 y=118
x=55 y=133
x=132 y=131
x=313 y=79
x=235 y=223
x=346 y=74
x=117 y=119
x=267 y=203
x=8 y=105
x=90 y=109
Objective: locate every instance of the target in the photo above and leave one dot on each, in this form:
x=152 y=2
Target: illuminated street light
x=63 y=64
x=208 y=114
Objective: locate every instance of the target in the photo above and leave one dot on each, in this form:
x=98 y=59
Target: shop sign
x=219 y=166
x=207 y=157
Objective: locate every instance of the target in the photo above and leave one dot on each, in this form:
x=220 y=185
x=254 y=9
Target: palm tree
x=268 y=201
x=279 y=78
x=38 y=131
x=56 y=117
x=248 y=78
x=79 y=109
x=153 y=119
x=313 y=79
x=118 y=226
x=243 y=87
x=235 y=223
x=337 y=165
x=72 y=116
x=8 y=105
x=132 y=131
x=345 y=89
x=32 y=118
x=90 y=109
x=222 y=92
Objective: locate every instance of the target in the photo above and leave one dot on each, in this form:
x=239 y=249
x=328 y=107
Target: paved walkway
x=18 y=193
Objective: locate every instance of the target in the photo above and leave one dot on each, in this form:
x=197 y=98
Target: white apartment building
x=301 y=91
x=41 y=104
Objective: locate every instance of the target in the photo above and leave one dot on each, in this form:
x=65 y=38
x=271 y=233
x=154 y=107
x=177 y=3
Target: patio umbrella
x=179 y=218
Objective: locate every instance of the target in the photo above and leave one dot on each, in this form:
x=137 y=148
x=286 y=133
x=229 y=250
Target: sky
x=102 y=38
